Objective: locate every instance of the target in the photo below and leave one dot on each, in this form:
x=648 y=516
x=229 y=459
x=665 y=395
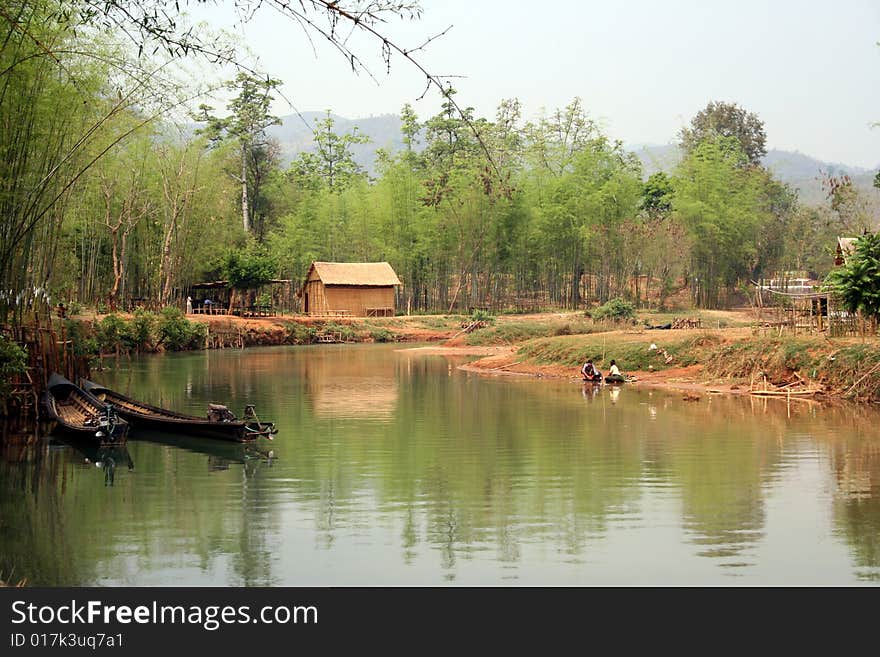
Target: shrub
x=82 y=337
x=141 y=329
x=346 y=331
x=382 y=335
x=300 y=333
x=616 y=310
x=114 y=334
x=177 y=333
x=482 y=316
x=13 y=363
x=74 y=308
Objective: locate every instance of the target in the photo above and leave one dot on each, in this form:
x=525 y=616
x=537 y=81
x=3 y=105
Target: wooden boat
x=78 y=414
x=219 y=424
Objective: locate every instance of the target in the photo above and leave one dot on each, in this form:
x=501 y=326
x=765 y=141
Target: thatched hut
x=358 y=289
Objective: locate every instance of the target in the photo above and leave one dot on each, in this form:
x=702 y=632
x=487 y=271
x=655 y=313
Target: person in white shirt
x=614 y=371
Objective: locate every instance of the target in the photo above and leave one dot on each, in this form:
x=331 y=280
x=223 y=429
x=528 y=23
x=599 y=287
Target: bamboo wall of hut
x=362 y=289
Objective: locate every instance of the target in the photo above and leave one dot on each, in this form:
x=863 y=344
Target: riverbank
x=729 y=355
x=734 y=361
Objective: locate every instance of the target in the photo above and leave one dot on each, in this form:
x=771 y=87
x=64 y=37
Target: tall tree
x=720 y=201
x=720 y=119
x=246 y=126
x=333 y=161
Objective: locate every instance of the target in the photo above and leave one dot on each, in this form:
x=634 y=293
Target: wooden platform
x=329 y=313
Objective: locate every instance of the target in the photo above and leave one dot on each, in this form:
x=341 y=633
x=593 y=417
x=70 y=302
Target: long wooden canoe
x=78 y=414
x=146 y=416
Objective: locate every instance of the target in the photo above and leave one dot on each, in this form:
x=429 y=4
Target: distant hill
x=802 y=172
x=295 y=135
x=797 y=169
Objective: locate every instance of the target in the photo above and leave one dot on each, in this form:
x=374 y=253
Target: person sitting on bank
x=614 y=375
x=590 y=373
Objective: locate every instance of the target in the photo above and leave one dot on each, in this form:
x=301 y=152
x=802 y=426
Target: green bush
x=300 y=333
x=82 y=337
x=141 y=330
x=177 y=333
x=13 y=363
x=114 y=334
x=482 y=316
x=73 y=308
x=346 y=331
x=616 y=310
x=382 y=335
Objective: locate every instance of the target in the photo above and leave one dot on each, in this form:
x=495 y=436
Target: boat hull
x=145 y=416
x=77 y=414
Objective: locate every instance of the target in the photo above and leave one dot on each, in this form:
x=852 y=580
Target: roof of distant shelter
x=846 y=244
x=210 y=285
x=379 y=274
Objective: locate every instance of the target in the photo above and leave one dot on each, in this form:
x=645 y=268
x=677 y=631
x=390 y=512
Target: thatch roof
x=211 y=285
x=379 y=274
x=846 y=245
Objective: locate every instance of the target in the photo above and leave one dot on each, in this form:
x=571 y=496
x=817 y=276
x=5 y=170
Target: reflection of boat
x=78 y=414
x=219 y=424
x=106 y=457
x=235 y=452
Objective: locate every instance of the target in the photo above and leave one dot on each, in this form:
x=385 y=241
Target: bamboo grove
x=108 y=192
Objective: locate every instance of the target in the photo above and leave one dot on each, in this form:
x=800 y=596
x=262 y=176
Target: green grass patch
x=513 y=332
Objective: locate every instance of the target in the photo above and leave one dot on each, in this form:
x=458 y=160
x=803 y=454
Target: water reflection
x=346 y=383
x=104 y=457
x=443 y=476
x=221 y=453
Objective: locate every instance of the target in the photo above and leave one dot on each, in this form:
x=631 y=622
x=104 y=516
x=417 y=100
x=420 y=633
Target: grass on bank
x=631 y=354
x=841 y=367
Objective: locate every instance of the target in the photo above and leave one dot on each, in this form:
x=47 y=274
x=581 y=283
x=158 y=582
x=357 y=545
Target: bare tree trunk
x=245 y=216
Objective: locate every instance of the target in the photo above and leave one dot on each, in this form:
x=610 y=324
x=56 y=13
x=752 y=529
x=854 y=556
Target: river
x=396 y=468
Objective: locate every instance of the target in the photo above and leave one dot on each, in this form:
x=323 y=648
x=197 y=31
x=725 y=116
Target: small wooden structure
x=357 y=289
x=216 y=298
x=799 y=304
x=846 y=246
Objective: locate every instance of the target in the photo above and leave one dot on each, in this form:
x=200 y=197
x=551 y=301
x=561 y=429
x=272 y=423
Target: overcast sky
x=809 y=69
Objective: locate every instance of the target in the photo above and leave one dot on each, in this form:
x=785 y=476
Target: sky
x=810 y=70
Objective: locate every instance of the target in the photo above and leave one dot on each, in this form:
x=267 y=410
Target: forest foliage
x=107 y=194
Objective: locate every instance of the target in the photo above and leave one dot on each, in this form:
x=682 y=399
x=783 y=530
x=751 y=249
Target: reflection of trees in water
x=61 y=525
x=857 y=502
x=719 y=459
x=252 y=561
x=47 y=499
x=409 y=537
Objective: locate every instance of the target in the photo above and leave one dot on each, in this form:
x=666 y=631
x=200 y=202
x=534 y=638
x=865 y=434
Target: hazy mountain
x=295 y=134
x=801 y=171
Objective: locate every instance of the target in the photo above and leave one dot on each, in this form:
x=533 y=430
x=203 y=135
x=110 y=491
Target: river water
x=394 y=468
